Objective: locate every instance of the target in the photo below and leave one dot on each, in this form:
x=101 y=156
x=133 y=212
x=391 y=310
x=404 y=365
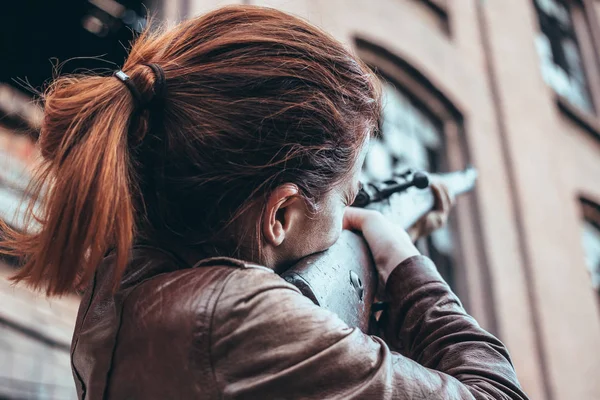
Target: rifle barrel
x=406 y=208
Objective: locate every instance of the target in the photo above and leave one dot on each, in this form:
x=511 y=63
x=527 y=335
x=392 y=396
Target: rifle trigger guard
x=357 y=284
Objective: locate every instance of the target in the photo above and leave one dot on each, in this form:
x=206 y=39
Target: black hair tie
x=159 y=87
x=160 y=83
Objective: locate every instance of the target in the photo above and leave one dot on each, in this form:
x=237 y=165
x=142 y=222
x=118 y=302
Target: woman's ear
x=280 y=213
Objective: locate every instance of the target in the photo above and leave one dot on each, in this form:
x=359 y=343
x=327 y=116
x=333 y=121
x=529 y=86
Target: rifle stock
x=343 y=279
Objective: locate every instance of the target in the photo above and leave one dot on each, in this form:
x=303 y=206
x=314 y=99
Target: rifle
x=343 y=279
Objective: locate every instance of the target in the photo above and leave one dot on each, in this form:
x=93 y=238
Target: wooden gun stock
x=343 y=278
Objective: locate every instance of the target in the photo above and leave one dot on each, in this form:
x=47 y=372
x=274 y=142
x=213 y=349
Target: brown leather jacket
x=225 y=329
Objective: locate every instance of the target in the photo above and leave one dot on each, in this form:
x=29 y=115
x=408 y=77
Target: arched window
x=411 y=138
x=422 y=129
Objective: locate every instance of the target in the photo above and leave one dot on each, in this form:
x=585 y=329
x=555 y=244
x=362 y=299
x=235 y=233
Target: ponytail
x=84 y=184
x=256 y=98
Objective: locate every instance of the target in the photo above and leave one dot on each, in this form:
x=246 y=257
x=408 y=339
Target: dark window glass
x=559 y=53
x=410 y=138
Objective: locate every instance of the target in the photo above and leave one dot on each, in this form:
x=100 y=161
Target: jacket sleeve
x=269 y=341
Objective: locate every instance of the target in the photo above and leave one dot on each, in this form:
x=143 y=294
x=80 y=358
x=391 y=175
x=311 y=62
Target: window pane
x=559 y=53
x=410 y=138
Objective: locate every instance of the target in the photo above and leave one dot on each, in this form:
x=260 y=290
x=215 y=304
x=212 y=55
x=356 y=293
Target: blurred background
x=509 y=86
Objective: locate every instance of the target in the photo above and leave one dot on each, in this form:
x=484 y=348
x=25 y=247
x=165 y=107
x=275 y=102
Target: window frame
x=471 y=273
x=441 y=9
x=587 y=34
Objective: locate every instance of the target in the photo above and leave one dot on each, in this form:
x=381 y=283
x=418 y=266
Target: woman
x=224 y=151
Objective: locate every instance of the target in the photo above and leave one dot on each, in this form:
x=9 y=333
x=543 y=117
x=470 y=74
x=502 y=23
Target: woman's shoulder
x=225 y=281
x=216 y=291
x=185 y=290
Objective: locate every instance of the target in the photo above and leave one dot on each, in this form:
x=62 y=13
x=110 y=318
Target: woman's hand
x=437 y=217
x=389 y=243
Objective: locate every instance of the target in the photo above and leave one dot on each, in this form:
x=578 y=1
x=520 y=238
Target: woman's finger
x=446 y=200
x=354 y=218
x=441 y=197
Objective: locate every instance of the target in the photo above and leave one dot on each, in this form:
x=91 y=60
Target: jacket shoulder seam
x=228 y=262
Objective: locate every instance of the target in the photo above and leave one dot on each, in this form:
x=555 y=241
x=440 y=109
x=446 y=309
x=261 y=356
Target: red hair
x=254 y=98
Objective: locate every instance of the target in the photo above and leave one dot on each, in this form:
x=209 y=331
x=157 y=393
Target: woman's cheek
x=334 y=228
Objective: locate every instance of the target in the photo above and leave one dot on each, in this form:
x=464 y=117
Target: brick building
x=513 y=88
